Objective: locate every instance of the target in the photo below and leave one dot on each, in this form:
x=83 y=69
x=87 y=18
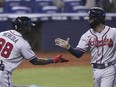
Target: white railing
x=55 y=16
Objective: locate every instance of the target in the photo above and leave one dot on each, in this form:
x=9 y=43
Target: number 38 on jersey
x=5 y=48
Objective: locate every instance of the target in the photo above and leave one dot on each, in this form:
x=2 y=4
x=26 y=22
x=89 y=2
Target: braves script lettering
x=101 y=43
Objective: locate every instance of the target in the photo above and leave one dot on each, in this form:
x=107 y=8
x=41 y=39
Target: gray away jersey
x=101 y=45
x=13 y=49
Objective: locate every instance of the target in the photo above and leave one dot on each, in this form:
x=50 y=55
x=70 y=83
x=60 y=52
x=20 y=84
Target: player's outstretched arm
x=44 y=61
x=65 y=44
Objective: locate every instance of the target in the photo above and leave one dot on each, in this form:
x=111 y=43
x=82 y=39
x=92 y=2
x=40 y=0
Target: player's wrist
x=50 y=60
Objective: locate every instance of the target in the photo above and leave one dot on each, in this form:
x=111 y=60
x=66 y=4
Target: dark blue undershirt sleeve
x=76 y=52
x=37 y=61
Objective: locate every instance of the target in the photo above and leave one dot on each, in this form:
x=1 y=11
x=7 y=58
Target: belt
x=102 y=66
x=1 y=65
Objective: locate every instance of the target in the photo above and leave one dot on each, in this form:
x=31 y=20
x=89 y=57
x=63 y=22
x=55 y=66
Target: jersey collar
x=16 y=33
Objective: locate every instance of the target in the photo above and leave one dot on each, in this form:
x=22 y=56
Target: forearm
x=41 y=61
x=77 y=53
x=44 y=61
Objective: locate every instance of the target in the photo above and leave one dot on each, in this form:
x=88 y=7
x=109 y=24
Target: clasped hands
x=64 y=44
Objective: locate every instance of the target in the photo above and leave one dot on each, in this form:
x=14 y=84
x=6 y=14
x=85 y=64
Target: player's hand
x=59 y=58
x=62 y=43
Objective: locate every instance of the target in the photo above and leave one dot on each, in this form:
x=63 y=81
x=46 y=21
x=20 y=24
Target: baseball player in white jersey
x=101 y=41
x=14 y=47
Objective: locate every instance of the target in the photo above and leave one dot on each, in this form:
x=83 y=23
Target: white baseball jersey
x=101 y=45
x=13 y=49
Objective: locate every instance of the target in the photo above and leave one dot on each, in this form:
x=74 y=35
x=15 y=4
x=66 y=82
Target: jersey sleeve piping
x=31 y=58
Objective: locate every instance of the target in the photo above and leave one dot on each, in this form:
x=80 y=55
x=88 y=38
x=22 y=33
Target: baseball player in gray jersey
x=14 y=47
x=101 y=41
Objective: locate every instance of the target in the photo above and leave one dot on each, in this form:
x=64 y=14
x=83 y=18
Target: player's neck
x=99 y=28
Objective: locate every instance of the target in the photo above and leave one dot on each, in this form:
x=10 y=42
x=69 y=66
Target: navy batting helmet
x=21 y=22
x=98 y=15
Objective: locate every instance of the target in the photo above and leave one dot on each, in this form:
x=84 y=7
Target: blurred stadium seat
x=1 y=10
x=42 y=6
x=8 y=4
x=11 y=4
x=38 y=4
x=80 y=9
x=20 y=9
x=68 y=4
x=28 y=3
x=50 y=9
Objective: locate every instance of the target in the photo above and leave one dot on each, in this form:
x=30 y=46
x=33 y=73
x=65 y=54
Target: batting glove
x=59 y=58
x=62 y=43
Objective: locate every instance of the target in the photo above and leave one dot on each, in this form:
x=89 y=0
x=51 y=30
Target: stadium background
x=54 y=18
x=64 y=21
